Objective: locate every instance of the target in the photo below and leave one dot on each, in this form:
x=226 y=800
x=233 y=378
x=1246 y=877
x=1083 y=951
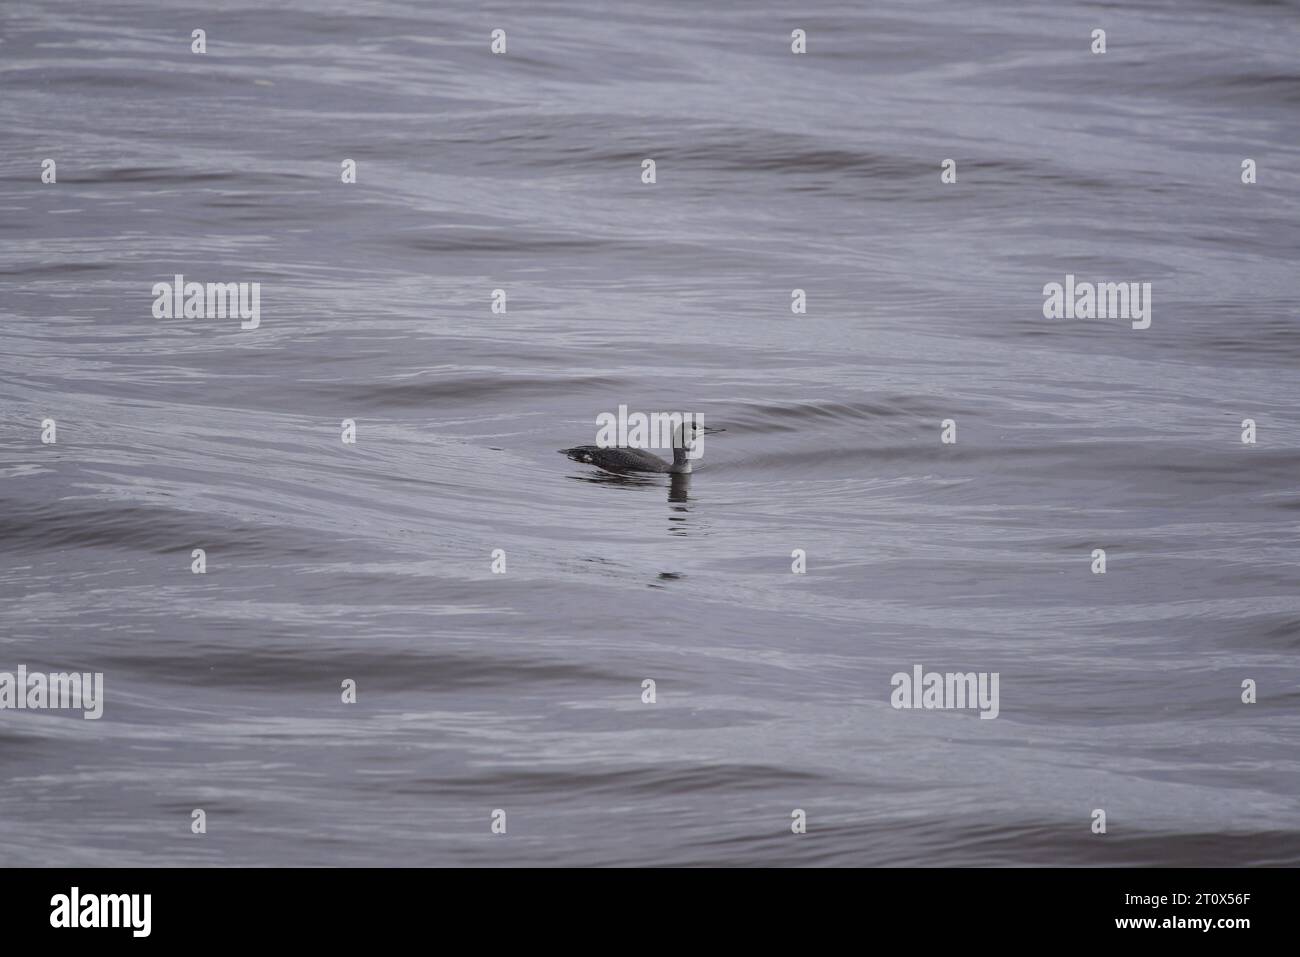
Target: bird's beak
x=708 y=430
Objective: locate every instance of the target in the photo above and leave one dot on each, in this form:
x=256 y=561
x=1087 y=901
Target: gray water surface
x=522 y=691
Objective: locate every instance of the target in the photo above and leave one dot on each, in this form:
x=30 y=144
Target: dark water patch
x=671 y=779
x=425 y=390
x=134 y=527
x=324 y=665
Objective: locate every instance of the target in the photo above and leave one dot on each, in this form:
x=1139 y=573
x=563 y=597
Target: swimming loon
x=639 y=460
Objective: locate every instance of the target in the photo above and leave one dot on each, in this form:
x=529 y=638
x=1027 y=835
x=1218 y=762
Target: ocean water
x=522 y=691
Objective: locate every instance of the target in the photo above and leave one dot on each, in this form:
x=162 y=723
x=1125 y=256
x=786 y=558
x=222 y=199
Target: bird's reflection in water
x=679 y=511
x=678 y=493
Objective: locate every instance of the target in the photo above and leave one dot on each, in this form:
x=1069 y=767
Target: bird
x=618 y=459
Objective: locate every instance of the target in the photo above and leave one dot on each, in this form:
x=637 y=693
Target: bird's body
x=624 y=460
x=620 y=460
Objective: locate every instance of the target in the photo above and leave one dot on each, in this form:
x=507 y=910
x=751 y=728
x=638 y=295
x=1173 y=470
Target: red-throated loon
x=639 y=460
